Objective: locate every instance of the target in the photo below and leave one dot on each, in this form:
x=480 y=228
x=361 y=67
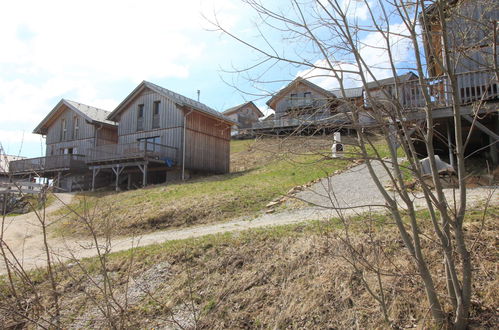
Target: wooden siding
x=54 y=130
x=207 y=144
x=83 y=141
x=82 y=146
x=283 y=104
x=170 y=115
x=207 y=139
x=106 y=135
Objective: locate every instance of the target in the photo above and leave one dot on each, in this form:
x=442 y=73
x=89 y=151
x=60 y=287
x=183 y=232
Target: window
x=140 y=117
x=155 y=114
x=63 y=129
x=76 y=127
x=307 y=98
x=150 y=143
x=293 y=99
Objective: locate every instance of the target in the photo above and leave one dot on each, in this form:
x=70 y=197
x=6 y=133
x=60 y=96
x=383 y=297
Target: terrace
x=137 y=151
x=47 y=164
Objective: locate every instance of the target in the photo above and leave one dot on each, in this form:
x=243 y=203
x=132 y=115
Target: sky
x=97 y=52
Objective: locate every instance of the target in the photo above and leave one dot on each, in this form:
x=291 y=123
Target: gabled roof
x=350 y=93
x=295 y=82
x=391 y=81
x=236 y=108
x=91 y=114
x=175 y=97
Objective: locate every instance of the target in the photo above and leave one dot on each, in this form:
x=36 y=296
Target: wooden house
x=302 y=98
x=403 y=89
x=301 y=104
x=245 y=115
x=353 y=95
x=472 y=38
x=161 y=136
x=471 y=34
x=71 y=130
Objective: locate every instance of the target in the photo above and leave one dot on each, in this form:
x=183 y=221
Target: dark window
x=155 y=114
x=307 y=98
x=140 y=117
x=63 y=129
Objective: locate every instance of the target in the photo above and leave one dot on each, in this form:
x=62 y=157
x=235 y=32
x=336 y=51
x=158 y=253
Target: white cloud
x=373 y=51
x=76 y=49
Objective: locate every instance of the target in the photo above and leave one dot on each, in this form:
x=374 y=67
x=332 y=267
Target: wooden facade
x=164 y=134
x=245 y=114
x=72 y=129
x=302 y=98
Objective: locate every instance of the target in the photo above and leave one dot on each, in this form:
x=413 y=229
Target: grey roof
x=175 y=97
x=237 y=107
x=95 y=114
x=390 y=81
x=91 y=114
x=349 y=92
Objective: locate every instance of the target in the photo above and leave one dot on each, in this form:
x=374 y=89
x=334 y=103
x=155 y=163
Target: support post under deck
x=449 y=144
x=117 y=171
x=95 y=171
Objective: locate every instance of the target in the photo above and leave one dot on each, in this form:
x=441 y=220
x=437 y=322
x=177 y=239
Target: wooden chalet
x=402 y=89
x=472 y=37
x=300 y=104
x=245 y=115
x=162 y=136
x=71 y=130
x=353 y=95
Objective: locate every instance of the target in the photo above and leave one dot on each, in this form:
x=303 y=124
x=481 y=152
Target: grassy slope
x=260 y=171
x=282 y=277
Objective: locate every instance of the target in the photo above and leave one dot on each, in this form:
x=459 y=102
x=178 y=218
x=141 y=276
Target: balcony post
x=144 y=177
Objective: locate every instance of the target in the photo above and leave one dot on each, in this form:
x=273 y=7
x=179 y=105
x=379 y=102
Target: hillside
x=298 y=276
x=261 y=170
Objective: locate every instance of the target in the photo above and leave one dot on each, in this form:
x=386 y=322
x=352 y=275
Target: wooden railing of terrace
x=140 y=150
x=49 y=163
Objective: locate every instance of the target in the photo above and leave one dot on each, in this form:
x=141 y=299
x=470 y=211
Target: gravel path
x=353 y=188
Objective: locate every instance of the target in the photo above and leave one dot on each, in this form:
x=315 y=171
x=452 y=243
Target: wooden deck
x=132 y=152
x=472 y=87
x=43 y=165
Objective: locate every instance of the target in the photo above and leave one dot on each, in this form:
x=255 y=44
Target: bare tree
x=327 y=38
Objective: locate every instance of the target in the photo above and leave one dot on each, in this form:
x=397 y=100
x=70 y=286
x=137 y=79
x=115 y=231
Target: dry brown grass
x=262 y=170
x=285 y=277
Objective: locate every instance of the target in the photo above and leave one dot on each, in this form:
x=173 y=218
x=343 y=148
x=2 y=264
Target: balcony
x=140 y=150
x=69 y=162
x=472 y=87
x=303 y=120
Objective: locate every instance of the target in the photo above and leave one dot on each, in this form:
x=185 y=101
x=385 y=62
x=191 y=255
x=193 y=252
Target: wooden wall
x=82 y=142
x=170 y=116
x=207 y=139
x=106 y=135
x=282 y=105
x=207 y=144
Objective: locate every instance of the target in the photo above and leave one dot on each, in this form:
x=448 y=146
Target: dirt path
x=353 y=188
x=23 y=233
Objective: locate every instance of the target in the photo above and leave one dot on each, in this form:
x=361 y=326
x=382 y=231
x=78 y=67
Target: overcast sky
x=97 y=52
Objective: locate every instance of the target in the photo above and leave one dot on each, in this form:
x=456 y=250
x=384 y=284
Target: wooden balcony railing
x=472 y=87
x=136 y=150
x=48 y=163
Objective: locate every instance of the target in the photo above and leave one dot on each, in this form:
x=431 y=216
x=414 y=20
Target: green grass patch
x=263 y=170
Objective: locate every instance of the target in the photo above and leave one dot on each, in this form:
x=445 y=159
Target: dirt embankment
x=295 y=277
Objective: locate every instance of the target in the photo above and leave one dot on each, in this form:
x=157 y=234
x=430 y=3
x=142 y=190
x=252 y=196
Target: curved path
x=353 y=192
